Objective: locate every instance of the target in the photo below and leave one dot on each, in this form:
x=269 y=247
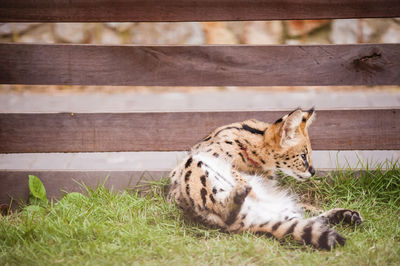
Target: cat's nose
x=311 y=170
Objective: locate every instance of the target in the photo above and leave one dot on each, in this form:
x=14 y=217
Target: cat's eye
x=304 y=157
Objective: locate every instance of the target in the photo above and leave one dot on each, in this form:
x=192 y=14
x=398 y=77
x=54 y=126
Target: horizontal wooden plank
x=374 y=129
x=323 y=65
x=15 y=188
x=191 y=10
x=14 y=184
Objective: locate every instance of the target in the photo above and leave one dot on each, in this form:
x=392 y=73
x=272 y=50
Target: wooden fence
x=297 y=65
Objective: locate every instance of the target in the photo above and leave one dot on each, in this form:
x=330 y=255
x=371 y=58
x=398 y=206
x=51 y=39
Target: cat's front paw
x=339 y=215
x=241 y=194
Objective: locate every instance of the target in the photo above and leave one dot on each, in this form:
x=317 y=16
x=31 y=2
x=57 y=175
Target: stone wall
x=257 y=32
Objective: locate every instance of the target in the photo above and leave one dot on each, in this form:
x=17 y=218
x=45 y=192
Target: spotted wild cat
x=228 y=181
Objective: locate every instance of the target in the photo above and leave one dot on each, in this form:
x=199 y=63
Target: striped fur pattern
x=228 y=181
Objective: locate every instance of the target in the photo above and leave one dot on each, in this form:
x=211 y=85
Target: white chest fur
x=270 y=202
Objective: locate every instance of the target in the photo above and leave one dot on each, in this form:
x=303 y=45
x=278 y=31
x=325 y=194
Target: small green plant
x=37 y=191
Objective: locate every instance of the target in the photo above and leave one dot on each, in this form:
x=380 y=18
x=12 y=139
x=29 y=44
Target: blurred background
x=22 y=98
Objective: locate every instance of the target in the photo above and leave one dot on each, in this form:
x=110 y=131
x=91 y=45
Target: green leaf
x=74 y=196
x=34 y=209
x=36 y=188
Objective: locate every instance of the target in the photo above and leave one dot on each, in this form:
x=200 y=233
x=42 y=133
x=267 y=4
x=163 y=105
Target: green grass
x=128 y=228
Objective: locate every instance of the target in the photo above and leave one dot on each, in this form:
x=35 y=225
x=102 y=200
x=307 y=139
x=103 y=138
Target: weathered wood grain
x=370 y=129
x=191 y=10
x=324 y=65
x=14 y=184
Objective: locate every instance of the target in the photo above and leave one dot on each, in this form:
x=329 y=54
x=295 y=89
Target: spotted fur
x=228 y=181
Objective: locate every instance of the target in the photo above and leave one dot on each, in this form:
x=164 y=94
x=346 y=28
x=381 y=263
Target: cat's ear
x=289 y=131
x=309 y=117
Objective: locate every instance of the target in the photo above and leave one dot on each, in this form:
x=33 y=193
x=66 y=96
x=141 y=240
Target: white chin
x=300 y=177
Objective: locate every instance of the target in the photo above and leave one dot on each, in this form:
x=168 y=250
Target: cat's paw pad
x=352 y=217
